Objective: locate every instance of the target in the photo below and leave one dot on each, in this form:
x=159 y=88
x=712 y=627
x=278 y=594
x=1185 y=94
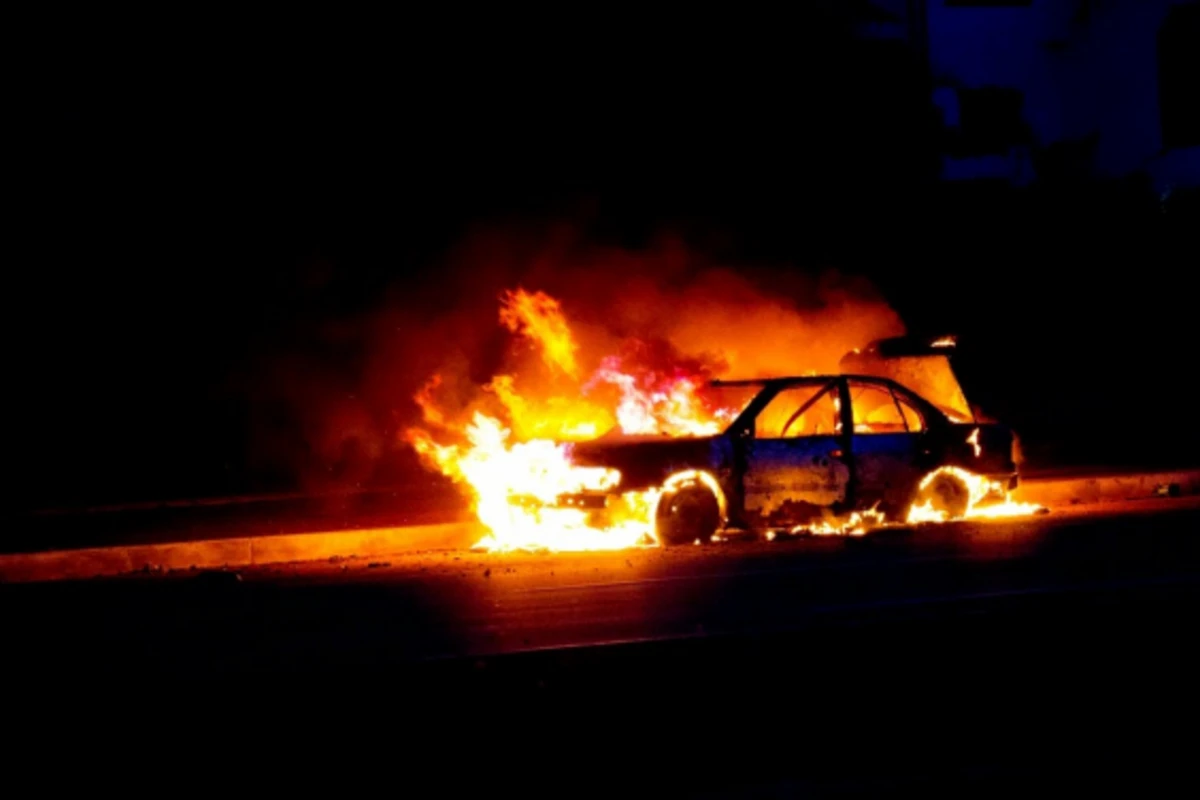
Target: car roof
x=799 y=380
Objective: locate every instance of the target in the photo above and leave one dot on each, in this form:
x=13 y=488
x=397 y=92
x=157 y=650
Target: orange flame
x=539 y=316
x=517 y=481
x=517 y=485
x=987 y=499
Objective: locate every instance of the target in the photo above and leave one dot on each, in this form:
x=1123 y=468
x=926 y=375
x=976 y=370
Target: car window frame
x=901 y=396
x=745 y=426
x=854 y=382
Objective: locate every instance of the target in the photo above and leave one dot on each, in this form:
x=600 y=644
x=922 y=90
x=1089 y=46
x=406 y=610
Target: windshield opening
x=703 y=410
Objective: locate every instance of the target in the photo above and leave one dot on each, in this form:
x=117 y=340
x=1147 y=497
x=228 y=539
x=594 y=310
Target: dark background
x=198 y=196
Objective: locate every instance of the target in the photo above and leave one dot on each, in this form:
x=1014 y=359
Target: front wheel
x=687 y=514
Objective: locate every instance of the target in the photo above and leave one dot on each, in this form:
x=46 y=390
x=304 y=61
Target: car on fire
x=815 y=448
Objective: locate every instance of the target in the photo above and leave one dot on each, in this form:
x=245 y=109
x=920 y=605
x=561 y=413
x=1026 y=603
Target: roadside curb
x=382 y=542
x=1065 y=491
x=232 y=553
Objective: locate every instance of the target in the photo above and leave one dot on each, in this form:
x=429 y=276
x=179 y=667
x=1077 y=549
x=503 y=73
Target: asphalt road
x=975 y=653
x=454 y=604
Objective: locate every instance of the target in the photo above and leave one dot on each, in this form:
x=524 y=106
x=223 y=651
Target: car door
x=794 y=455
x=888 y=445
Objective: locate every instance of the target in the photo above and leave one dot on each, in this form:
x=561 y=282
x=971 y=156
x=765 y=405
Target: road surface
x=452 y=604
x=978 y=653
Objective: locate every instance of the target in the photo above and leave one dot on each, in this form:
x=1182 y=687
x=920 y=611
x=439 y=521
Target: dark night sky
x=188 y=204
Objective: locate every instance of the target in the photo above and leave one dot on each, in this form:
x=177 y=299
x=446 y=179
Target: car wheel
x=948 y=494
x=687 y=514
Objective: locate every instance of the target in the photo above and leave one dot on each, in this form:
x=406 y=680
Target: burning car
x=887 y=438
x=817 y=453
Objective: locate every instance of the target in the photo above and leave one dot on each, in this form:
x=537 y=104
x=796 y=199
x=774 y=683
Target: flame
x=669 y=406
x=857 y=524
x=520 y=475
x=424 y=400
x=980 y=503
x=539 y=316
x=559 y=418
x=945 y=341
x=987 y=500
x=973 y=440
x=517 y=487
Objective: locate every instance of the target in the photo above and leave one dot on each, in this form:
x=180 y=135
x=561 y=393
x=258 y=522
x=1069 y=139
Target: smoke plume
x=339 y=419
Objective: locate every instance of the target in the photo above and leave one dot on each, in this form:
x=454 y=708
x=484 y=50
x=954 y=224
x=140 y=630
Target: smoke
x=335 y=413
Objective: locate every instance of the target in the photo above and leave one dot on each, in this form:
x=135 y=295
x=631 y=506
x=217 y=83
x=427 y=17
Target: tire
x=687 y=514
x=948 y=494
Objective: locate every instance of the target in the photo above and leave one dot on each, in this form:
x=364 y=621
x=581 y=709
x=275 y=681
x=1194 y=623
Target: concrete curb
x=383 y=542
x=249 y=551
x=234 y=500
x=1065 y=491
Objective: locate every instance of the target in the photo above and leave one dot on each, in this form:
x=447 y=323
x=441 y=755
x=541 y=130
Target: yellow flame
x=517 y=488
x=559 y=418
x=979 y=506
x=518 y=471
x=858 y=523
x=673 y=412
x=539 y=316
x=986 y=500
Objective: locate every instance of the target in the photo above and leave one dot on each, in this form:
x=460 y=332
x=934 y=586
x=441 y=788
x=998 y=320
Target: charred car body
x=815 y=447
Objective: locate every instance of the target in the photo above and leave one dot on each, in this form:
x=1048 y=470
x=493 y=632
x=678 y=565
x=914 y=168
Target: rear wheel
x=687 y=514
x=948 y=494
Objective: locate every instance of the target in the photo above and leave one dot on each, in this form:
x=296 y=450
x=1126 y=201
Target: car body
x=805 y=448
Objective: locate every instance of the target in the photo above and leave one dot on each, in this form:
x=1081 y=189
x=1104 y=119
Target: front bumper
x=585 y=501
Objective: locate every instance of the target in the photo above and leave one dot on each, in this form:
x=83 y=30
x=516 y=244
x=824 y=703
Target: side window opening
x=877 y=409
x=800 y=411
x=912 y=418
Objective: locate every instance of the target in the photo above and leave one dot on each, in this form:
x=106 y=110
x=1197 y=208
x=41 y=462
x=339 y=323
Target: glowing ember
x=945 y=341
x=973 y=440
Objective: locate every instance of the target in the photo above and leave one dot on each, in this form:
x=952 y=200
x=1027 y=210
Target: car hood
x=646 y=461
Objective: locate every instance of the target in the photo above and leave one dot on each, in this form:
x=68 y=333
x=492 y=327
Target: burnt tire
x=948 y=494
x=687 y=514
